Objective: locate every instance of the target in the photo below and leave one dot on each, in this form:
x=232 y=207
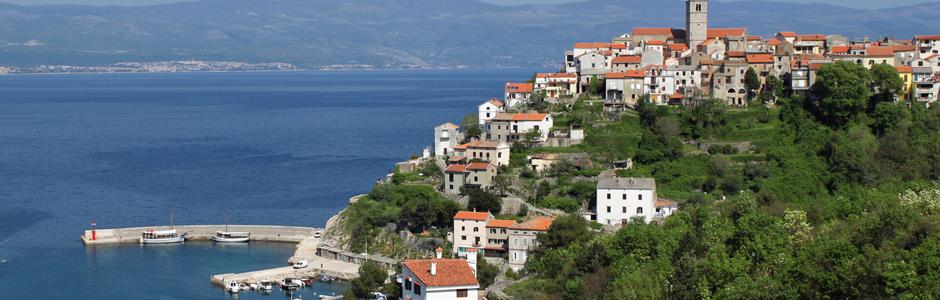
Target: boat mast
x=171 y=216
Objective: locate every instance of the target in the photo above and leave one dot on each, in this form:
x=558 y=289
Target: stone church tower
x=696 y=22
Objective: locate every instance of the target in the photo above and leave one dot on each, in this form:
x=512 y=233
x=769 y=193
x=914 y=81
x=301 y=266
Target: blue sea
x=279 y=148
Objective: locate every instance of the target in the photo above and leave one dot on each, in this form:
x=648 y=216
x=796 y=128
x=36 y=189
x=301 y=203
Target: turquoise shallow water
x=270 y=148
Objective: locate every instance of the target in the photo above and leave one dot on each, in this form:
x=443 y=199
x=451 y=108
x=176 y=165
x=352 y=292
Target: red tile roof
x=677 y=96
x=903 y=48
x=773 y=42
x=652 y=31
x=472 y=215
x=456 y=169
x=591 y=45
x=450 y=272
x=735 y=53
x=479 y=166
x=496 y=102
x=537 y=224
x=725 y=32
x=878 y=51
x=627 y=74
x=905 y=69
x=632 y=59
x=501 y=223
x=840 y=49
x=520 y=117
x=927 y=37
x=618 y=46
x=760 y=58
x=812 y=37
x=787 y=34
x=677 y=47
x=754 y=38
x=461 y=146
x=512 y=87
x=655 y=43
x=482 y=144
x=663 y=203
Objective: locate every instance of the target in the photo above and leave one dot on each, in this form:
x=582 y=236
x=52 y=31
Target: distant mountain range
x=393 y=33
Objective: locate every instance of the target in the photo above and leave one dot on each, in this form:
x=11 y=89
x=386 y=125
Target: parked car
x=300 y=264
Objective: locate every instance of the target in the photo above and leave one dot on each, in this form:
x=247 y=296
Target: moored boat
x=162 y=237
x=290 y=284
x=231 y=237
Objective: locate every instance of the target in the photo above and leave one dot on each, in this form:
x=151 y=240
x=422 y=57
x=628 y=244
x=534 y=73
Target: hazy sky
x=848 y=3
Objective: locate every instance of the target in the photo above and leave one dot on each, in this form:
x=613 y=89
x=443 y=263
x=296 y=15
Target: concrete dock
x=305 y=237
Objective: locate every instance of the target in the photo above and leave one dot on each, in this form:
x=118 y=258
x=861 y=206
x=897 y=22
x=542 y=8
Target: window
x=640 y=197
x=463 y=228
x=408 y=283
x=476 y=229
x=462 y=293
x=463 y=237
x=417 y=289
x=698 y=7
x=639 y=210
x=624 y=210
x=624 y=196
x=608 y=196
x=608 y=209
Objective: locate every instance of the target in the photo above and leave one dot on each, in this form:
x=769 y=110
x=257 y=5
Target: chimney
x=433 y=268
x=472 y=259
x=439 y=253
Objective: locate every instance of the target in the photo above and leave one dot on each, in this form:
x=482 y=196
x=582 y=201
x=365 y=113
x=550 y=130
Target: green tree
x=773 y=89
x=531 y=138
x=850 y=155
x=481 y=200
x=751 y=82
x=471 y=127
x=595 y=86
x=502 y=183
x=486 y=273
x=887 y=84
x=565 y=230
x=842 y=90
x=371 y=277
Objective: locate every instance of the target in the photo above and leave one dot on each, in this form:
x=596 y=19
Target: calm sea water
x=269 y=148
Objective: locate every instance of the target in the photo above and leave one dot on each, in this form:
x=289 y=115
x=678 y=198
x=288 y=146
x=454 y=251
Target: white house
x=621 y=199
x=470 y=231
x=446 y=137
x=518 y=93
x=513 y=127
x=495 y=152
x=927 y=45
x=523 y=239
x=556 y=85
x=440 y=279
x=489 y=109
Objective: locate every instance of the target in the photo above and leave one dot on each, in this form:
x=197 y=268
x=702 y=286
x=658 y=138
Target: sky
x=847 y=3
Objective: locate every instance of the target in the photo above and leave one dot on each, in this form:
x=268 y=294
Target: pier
x=305 y=237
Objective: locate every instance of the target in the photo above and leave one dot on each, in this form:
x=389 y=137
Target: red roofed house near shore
x=518 y=93
x=512 y=128
x=473 y=175
x=440 y=279
x=469 y=231
x=523 y=240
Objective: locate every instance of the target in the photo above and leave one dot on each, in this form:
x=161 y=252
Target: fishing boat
x=233 y=287
x=290 y=284
x=230 y=237
x=266 y=285
x=327 y=278
x=162 y=237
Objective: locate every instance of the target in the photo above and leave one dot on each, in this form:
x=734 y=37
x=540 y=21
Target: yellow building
x=907 y=75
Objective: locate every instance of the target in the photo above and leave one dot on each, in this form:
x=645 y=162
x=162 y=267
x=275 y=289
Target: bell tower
x=696 y=22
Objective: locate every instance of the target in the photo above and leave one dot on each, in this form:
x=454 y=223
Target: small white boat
x=253 y=286
x=290 y=284
x=325 y=297
x=266 y=285
x=301 y=264
x=233 y=287
x=231 y=237
x=162 y=237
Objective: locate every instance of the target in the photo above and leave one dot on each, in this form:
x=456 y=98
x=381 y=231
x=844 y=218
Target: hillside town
x=662 y=66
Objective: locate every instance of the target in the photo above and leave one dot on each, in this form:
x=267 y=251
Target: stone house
x=472 y=175
x=621 y=199
x=523 y=240
x=488 y=110
x=512 y=128
x=470 y=231
x=446 y=137
x=495 y=152
x=557 y=85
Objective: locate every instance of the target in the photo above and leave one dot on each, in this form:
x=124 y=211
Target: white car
x=300 y=264
x=317 y=234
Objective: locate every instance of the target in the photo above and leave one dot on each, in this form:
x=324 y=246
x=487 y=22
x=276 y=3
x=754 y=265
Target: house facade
x=440 y=279
x=518 y=93
x=495 y=152
x=621 y=199
x=512 y=128
x=477 y=175
x=523 y=239
x=470 y=231
x=446 y=137
x=488 y=110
